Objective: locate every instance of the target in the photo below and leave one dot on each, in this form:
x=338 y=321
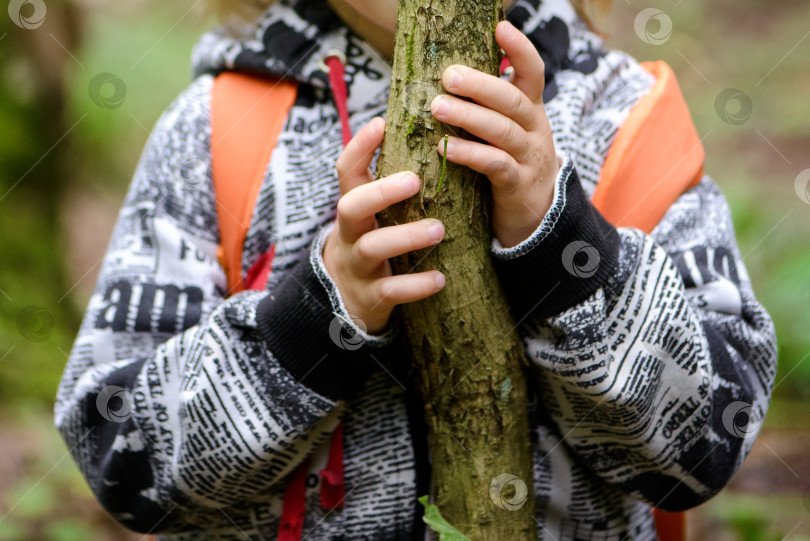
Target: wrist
x=514 y=222
x=372 y=324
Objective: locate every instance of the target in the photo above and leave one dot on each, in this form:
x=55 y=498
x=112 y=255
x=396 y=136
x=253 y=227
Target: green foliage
x=45 y=497
x=438 y=524
x=778 y=264
x=31 y=338
x=758 y=517
x=102 y=148
x=31 y=273
x=141 y=47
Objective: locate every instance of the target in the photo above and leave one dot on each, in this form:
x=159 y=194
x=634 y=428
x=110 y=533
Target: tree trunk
x=467 y=358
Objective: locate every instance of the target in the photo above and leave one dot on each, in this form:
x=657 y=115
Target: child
x=192 y=415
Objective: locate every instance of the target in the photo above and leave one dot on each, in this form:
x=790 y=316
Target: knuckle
x=505 y=173
x=516 y=104
x=364 y=248
x=507 y=130
x=340 y=166
x=496 y=168
x=510 y=184
x=345 y=208
x=385 y=292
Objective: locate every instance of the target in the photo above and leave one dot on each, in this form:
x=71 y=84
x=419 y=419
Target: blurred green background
x=66 y=159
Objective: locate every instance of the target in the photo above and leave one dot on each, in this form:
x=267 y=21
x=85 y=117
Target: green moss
x=411 y=122
x=409 y=53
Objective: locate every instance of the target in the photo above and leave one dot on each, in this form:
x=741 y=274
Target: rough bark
x=468 y=360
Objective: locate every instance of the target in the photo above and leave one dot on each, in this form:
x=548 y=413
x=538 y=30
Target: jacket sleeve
x=176 y=401
x=652 y=355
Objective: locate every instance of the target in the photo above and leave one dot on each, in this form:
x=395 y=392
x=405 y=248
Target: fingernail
x=440 y=280
x=374 y=126
x=440 y=106
x=455 y=79
x=508 y=30
x=446 y=152
x=436 y=231
x=410 y=183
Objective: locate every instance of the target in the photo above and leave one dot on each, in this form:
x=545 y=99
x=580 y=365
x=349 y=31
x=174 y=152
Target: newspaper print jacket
x=186 y=410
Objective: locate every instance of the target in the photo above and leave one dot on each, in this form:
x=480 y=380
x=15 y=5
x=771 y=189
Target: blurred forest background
x=84 y=81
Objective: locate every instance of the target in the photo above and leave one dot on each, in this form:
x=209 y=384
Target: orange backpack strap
x=247 y=116
x=655 y=157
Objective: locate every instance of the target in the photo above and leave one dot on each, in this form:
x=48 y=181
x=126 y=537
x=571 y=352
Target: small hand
x=520 y=160
x=357 y=250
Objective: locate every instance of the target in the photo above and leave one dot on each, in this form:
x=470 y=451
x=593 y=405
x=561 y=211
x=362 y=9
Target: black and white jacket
x=186 y=410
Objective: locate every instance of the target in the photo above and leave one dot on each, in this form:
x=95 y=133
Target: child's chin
x=383 y=13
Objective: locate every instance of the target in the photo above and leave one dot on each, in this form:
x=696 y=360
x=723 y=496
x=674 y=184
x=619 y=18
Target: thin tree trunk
x=467 y=358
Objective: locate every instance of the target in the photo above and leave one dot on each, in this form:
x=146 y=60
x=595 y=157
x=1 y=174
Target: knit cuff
x=569 y=256
x=308 y=329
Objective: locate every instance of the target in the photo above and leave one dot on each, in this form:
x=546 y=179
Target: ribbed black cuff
x=309 y=340
x=571 y=255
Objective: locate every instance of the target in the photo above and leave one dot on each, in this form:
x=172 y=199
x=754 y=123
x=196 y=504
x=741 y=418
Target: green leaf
x=11 y=531
x=67 y=530
x=434 y=519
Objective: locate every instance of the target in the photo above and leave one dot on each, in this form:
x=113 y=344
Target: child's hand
x=521 y=162
x=356 y=252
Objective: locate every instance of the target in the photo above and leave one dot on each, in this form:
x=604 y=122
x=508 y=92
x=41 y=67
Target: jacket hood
x=292 y=37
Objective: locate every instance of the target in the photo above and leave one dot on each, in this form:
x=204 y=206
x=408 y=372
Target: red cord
x=504 y=64
x=332 y=483
x=292 y=516
x=258 y=274
x=338 y=84
x=333 y=487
